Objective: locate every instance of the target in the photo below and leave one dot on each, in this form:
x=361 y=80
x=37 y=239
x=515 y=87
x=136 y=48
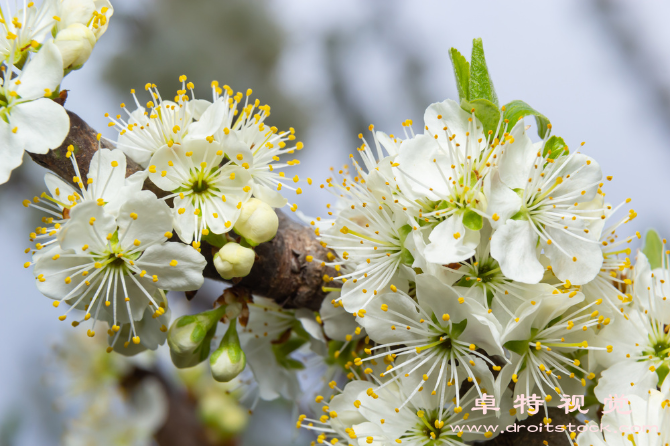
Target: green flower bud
x=190 y=336
x=234 y=260
x=229 y=359
x=257 y=222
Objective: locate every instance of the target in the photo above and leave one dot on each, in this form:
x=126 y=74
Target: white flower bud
x=229 y=359
x=234 y=260
x=91 y=13
x=257 y=222
x=189 y=337
x=75 y=44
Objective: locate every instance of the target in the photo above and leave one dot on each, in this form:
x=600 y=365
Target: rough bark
x=280 y=271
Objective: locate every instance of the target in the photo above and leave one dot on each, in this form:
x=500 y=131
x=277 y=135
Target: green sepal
x=518 y=347
x=662 y=373
x=481 y=85
x=653 y=249
x=486 y=111
x=405 y=256
x=216 y=240
x=472 y=220
x=245 y=242
x=283 y=350
x=457 y=328
x=461 y=72
x=516 y=110
x=555 y=147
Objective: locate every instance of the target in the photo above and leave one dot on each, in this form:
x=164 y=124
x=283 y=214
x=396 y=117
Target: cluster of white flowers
x=38 y=46
x=481 y=264
x=472 y=265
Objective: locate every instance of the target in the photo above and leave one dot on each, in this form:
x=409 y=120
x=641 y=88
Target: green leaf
x=486 y=111
x=518 y=347
x=462 y=73
x=555 y=147
x=653 y=249
x=472 y=220
x=519 y=109
x=481 y=86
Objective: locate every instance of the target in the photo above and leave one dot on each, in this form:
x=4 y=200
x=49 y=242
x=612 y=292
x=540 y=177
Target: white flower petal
x=44 y=70
x=185 y=275
x=90 y=226
x=41 y=125
x=144 y=218
x=418 y=176
x=107 y=178
x=210 y=122
x=269 y=196
x=11 y=152
x=583 y=261
x=518 y=159
x=502 y=200
x=451 y=242
x=513 y=245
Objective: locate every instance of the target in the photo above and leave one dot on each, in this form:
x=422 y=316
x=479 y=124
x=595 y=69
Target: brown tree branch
x=280 y=271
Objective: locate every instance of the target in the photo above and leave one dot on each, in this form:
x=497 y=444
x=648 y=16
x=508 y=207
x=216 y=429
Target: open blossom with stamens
x=481 y=278
x=534 y=199
x=162 y=122
x=258 y=146
x=25 y=29
x=436 y=336
x=548 y=341
x=261 y=145
x=361 y=415
x=443 y=171
x=642 y=421
x=106 y=185
x=640 y=337
x=270 y=341
x=29 y=120
x=368 y=237
x=117 y=265
x=208 y=192
x=613 y=282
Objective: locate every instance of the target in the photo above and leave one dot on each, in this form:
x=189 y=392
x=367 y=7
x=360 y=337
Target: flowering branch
x=280 y=271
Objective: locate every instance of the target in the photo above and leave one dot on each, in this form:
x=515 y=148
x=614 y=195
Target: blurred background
x=597 y=68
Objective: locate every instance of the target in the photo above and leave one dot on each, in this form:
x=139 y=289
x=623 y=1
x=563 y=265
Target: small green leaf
x=555 y=147
x=486 y=111
x=519 y=109
x=518 y=347
x=481 y=86
x=472 y=220
x=653 y=249
x=462 y=73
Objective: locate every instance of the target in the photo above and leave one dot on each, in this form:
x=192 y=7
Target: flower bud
x=234 y=260
x=257 y=222
x=229 y=359
x=189 y=337
x=75 y=44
